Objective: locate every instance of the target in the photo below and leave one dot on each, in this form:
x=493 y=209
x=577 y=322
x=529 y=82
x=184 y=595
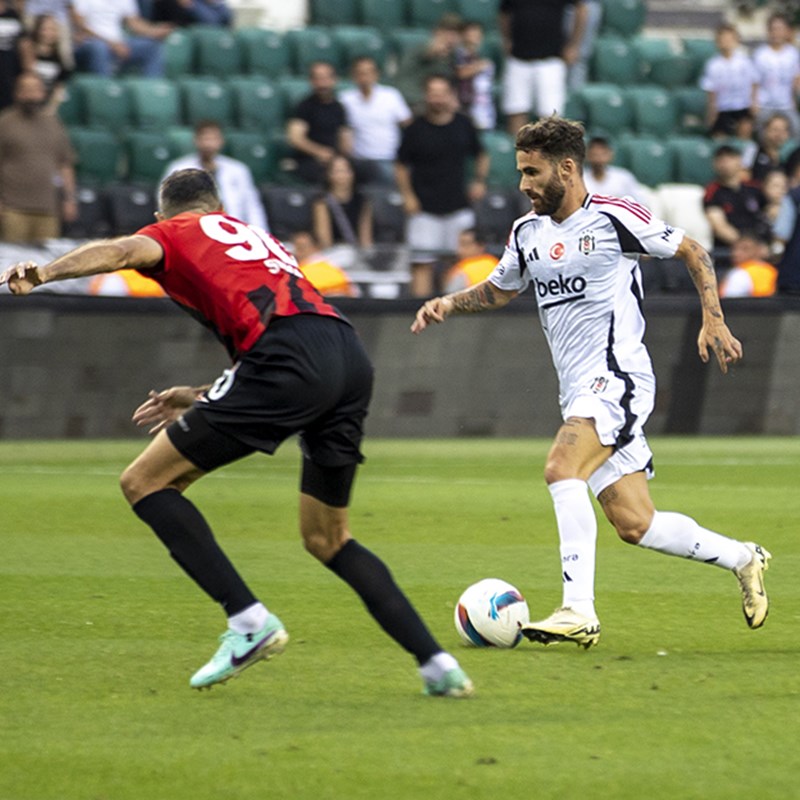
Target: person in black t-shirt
x=16 y=55
x=538 y=52
x=317 y=128
x=431 y=173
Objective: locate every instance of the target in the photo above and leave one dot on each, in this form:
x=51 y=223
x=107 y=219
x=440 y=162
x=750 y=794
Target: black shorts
x=307 y=375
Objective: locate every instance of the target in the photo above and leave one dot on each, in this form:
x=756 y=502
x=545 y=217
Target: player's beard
x=549 y=201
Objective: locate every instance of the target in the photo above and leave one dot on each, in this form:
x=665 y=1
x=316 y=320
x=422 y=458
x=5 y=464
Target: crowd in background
x=418 y=134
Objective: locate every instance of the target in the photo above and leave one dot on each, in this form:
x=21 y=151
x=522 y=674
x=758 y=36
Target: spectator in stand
x=474 y=263
x=475 y=76
x=327 y=278
x=751 y=274
x=60 y=11
x=730 y=81
x=124 y=283
x=778 y=66
x=48 y=62
x=538 y=54
x=604 y=178
x=578 y=71
x=775 y=133
x=317 y=128
x=234 y=180
x=731 y=204
x=16 y=54
x=108 y=36
x=774 y=187
x=375 y=115
x=37 y=179
x=192 y=12
x=433 y=58
x=431 y=172
x=342 y=215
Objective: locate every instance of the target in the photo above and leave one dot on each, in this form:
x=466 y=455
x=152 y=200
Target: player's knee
x=136 y=484
x=322 y=542
x=632 y=527
x=555 y=469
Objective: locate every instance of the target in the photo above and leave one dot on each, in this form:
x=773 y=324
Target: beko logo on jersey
x=560 y=289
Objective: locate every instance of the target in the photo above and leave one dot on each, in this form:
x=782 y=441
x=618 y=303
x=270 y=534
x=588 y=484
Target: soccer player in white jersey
x=579 y=252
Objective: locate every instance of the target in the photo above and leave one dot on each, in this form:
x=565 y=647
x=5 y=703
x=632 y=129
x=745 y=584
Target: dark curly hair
x=555 y=138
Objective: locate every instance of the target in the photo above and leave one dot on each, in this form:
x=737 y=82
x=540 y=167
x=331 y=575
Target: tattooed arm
x=714 y=332
x=481 y=297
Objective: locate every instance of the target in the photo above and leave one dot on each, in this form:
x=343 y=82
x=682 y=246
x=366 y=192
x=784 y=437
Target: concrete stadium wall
x=77 y=367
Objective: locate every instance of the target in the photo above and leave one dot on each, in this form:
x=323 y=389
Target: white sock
x=250 y=619
x=436 y=666
x=577 y=533
x=679 y=535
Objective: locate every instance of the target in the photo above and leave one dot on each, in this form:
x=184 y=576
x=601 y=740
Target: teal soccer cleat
x=454 y=683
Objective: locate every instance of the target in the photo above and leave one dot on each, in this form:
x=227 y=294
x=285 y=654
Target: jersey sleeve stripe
x=637 y=210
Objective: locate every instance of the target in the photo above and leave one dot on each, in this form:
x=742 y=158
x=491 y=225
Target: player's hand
x=22 y=278
x=436 y=310
x=725 y=346
x=161 y=408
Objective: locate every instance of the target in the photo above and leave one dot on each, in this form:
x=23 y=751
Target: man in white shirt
x=234 y=180
x=375 y=114
x=602 y=177
x=579 y=253
x=110 y=35
x=778 y=65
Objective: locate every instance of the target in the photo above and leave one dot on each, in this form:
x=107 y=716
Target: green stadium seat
x=341 y=12
x=282 y=164
x=503 y=165
x=293 y=89
x=608 y=111
x=178 y=54
x=655 y=111
x=258 y=104
x=180 y=140
x=650 y=159
x=691 y=102
x=615 y=61
x=671 y=71
x=148 y=154
x=575 y=108
x=355 y=41
x=693 y=156
x=624 y=17
x=205 y=98
x=251 y=148
x=386 y=15
x=312 y=44
x=699 y=50
x=104 y=101
x=216 y=51
x=402 y=40
x=155 y=102
x=492 y=47
x=70 y=110
x=98 y=155
x=264 y=52
x=483 y=11
x=426 y=13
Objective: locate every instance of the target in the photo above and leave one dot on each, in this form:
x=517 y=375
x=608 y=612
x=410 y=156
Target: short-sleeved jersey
x=585 y=273
x=231 y=276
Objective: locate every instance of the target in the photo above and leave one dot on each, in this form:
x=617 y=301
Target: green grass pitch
x=101 y=631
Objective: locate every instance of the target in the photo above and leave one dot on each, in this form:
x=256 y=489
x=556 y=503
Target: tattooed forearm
x=478 y=298
x=701 y=269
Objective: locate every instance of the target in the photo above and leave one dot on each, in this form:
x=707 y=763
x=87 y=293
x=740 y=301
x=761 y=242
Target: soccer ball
x=489 y=614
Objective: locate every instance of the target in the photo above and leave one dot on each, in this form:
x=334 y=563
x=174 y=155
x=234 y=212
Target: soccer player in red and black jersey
x=299 y=368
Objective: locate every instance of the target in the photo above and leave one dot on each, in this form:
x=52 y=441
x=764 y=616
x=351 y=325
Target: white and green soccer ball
x=489 y=614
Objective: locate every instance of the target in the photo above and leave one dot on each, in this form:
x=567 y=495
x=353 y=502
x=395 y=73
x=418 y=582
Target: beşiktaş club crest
x=586 y=242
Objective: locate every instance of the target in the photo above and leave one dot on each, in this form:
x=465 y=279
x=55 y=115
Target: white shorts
x=431 y=235
x=539 y=86
x=619 y=407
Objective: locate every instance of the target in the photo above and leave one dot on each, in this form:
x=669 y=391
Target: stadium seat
x=355 y=41
x=671 y=71
x=342 y=12
x=93 y=220
x=388 y=215
x=205 y=98
x=682 y=206
x=693 y=156
x=495 y=213
x=312 y=44
x=98 y=155
x=154 y=102
x=386 y=15
x=691 y=101
x=607 y=109
x=70 y=110
x=258 y=104
x=180 y=140
x=655 y=111
x=216 y=51
x=648 y=158
x=699 y=50
x=282 y=164
x=624 y=17
x=615 y=61
x=104 y=101
x=503 y=165
x=426 y=13
x=251 y=148
x=264 y=52
x=130 y=207
x=483 y=11
x=402 y=40
x=148 y=153
x=178 y=54
x=293 y=89
x=288 y=209
x=575 y=108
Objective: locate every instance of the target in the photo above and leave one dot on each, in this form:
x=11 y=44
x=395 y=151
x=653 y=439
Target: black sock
x=373 y=582
x=184 y=531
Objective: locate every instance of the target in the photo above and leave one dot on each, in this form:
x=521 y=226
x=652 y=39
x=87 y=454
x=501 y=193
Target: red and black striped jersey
x=231 y=276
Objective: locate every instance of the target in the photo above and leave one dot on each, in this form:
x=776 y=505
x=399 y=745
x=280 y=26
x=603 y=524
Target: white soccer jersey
x=586 y=276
